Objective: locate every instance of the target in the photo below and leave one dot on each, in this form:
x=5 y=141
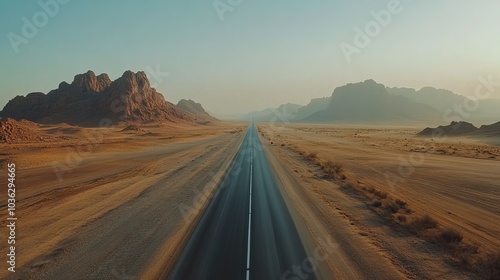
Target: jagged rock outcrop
x=132 y=98
x=90 y=98
x=454 y=129
x=88 y=82
x=195 y=109
x=489 y=130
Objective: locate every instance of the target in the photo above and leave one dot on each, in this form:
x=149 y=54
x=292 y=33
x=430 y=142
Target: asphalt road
x=246 y=231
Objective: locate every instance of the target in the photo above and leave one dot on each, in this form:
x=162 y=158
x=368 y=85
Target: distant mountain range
x=92 y=100
x=370 y=102
x=288 y=111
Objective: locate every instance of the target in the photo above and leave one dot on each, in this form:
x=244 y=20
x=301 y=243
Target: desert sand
x=453 y=180
x=135 y=190
x=126 y=198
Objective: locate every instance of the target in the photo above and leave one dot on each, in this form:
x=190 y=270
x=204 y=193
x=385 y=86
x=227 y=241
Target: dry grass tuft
x=376 y=203
x=390 y=205
x=333 y=169
x=312 y=156
x=423 y=223
x=451 y=236
x=378 y=193
x=401 y=218
x=466 y=255
x=401 y=203
x=426 y=227
x=489 y=266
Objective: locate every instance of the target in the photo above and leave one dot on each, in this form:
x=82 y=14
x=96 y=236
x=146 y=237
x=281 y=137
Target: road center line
x=249 y=215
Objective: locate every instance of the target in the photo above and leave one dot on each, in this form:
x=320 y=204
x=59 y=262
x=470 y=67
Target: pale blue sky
x=262 y=54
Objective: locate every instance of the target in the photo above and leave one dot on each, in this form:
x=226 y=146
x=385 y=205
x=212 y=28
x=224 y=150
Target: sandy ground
x=115 y=189
x=454 y=180
x=122 y=203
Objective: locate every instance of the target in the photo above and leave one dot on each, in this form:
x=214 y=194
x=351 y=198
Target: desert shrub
x=369 y=189
x=401 y=203
x=333 y=169
x=391 y=206
x=422 y=223
x=489 y=266
x=376 y=192
x=376 y=203
x=337 y=167
x=401 y=218
x=451 y=236
x=466 y=254
x=381 y=194
x=370 y=192
x=312 y=155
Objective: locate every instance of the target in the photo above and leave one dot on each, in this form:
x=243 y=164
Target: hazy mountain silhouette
x=439 y=99
x=314 y=106
x=370 y=102
x=196 y=109
x=446 y=101
x=285 y=112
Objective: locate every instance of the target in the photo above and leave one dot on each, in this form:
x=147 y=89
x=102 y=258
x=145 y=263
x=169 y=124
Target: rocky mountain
x=195 y=109
x=370 y=102
x=90 y=99
x=489 y=130
x=445 y=101
x=439 y=99
x=314 y=106
x=285 y=112
x=462 y=129
x=453 y=129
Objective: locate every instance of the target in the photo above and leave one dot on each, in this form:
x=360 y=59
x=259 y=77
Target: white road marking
x=249 y=215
